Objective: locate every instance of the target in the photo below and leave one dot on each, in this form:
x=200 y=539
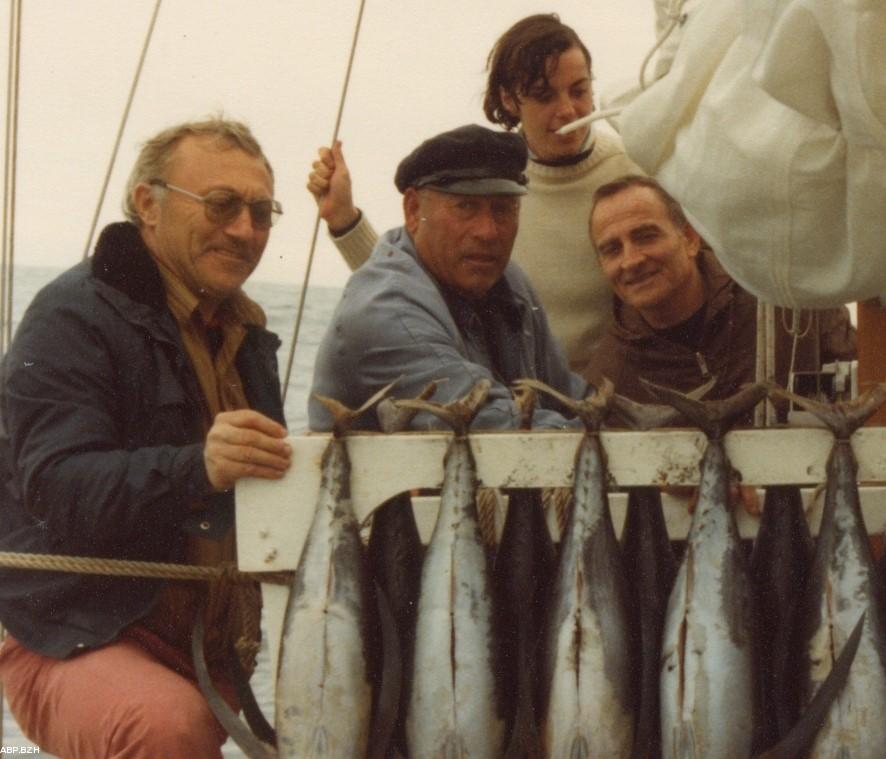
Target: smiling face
x=550 y=104
x=649 y=261
x=465 y=241
x=212 y=260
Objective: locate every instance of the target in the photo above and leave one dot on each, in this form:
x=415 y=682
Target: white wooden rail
x=273 y=517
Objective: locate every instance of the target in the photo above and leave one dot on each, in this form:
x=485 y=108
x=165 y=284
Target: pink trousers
x=123 y=700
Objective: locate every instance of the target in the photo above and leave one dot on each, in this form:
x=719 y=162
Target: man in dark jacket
x=679 y=318
x=141 y=385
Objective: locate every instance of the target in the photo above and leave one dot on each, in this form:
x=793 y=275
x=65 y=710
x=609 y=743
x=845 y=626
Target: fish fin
x=388 y=703
x=342 y=416
x=843 y=417
x=396 y=419
x=591 y=410
x=802 y=735
x=256 y=720
x=714 y=418
x=642 y=416
x=243 y=737
x=526 y=399
x=459 y=413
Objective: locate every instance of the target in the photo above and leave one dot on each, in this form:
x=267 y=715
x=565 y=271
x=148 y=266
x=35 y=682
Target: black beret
x=470 y=160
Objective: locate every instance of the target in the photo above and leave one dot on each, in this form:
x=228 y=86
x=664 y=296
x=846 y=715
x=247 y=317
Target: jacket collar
x=123 y=261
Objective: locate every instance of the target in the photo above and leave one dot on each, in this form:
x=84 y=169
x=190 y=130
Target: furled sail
x=770 y=128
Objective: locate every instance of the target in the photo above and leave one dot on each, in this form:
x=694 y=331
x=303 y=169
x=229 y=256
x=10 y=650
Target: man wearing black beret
x=439 y=299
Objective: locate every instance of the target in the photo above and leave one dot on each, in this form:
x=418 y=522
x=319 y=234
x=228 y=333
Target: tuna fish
x=708 y=681
x=395 y=558
x=651 y=569
x=589 y=703
x=779 y=566
x=844 y=586
x=324 y=688
x=455 y=707
x=523 y=567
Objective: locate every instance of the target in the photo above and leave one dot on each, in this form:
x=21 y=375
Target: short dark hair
x=519 y=59
x=672 y=207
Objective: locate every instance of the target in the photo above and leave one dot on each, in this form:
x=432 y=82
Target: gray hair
x=155 y=153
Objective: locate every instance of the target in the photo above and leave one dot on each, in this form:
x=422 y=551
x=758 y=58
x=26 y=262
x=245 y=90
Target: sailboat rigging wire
x=675 y=14
x=307 y=277
x=113 y=160
x=9 y=173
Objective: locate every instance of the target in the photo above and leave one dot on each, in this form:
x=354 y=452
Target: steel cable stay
x=9 y=184
x=122 y=127
x=9 y=173
x=313 y=246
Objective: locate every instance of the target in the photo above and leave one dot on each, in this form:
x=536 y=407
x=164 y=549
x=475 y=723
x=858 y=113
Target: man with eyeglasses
x=439 y=299
x=141 y=385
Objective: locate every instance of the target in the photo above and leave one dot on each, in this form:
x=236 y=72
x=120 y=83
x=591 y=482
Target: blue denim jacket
x=395 y=322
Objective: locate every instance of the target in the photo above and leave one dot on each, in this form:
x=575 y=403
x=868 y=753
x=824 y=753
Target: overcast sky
x=278 y=65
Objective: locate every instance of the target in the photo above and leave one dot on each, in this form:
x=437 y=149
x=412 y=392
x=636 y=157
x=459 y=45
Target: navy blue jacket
x=101 y=444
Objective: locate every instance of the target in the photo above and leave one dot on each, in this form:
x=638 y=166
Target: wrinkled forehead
x=217 y=160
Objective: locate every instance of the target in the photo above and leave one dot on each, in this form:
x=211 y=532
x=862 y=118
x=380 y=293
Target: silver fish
x=708 y=677
x=844 y=585
x=324 y=693
x=588 y=659
x=454 y=708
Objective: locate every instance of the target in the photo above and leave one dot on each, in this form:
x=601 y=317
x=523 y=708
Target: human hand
x=330 y=184
x=245 y=443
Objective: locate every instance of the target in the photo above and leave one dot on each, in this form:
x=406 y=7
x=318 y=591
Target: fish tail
x=801 y=736
x=842 y=418
x=393 y=418
x=714 y=418
x=648 y=416
x=342 y=416
x=591 y=410
x=459 y=413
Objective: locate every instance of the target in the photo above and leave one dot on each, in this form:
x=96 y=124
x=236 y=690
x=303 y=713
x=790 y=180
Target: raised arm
x=330 y=184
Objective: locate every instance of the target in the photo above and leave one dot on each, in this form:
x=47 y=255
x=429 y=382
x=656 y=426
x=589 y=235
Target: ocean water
x=280 y=302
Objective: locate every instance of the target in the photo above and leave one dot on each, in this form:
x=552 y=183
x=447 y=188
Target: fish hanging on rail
x=455 y=707
x=395 y=557
x=523 y=566
x=588 y=661
x=324 y=680
x=708 y=677
x=780 y=563
x=651 y=567
x=843 y=587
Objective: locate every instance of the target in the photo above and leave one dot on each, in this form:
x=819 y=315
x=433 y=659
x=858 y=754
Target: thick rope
x=126 y=109
x=307 y=277
x=147 y=569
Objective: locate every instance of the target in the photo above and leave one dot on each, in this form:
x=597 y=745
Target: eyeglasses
x=223 y=206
